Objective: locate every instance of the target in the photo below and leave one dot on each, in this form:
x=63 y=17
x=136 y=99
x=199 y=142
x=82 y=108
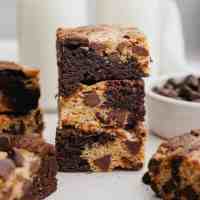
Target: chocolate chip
x=4 y=143
x=6 y=168
x=103 y=163
x=133 y=147
x=189 y=193
x=140 y=51
x=175 y=165
x=154 y=166
x=118 y=116
x=187 y=89
x=146 y=179
x=91 y=99
x=18 y=158
x=169 y=186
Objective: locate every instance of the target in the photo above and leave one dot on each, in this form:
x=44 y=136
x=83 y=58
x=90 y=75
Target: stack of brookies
x=19 y=100
x=101 y=98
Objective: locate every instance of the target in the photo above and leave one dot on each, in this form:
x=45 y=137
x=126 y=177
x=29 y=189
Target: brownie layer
x=117 y=104
x=99 y=150
x=174 y=170
x=31 y=123
x=28 y=168
x=88 y=55
x=19 y=88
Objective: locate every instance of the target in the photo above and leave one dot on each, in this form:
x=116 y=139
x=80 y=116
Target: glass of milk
x=37 y=21
x=143 y=14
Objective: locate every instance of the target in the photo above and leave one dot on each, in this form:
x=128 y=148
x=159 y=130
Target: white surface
x=176 y=117
x=101 y=186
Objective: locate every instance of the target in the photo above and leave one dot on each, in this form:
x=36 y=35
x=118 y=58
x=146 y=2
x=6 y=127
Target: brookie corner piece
x=28 y=168
x=100 y=150
x=174 y=171
x=19 y=88
x=87 y=55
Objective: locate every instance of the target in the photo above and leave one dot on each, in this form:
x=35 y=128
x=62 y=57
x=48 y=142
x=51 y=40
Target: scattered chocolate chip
x=118 y=116
x=195 y=133
x=141 y=51
x=103 y=163
x=169 y=186
x=6 y=168
x=4 y=143
x=18 y=158
x=175 y=165
x=154 y=165
x=133 y=147
x=146 y=179
x=91 y=99
x=189 y=193
x=187 y=89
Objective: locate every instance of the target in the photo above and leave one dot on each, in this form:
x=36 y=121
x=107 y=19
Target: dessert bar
x=100 y=149
x=87 y=55
x=27 y=168
x=174 y=171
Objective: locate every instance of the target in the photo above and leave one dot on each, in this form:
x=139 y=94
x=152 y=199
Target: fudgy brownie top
x=187 y=145
x=108 y=39
x=27 y=71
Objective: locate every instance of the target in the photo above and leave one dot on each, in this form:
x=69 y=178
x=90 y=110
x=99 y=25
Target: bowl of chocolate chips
x=173 y=104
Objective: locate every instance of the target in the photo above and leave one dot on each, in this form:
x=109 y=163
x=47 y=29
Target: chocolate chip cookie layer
x=27 y=168
x=30 y=123
x=174 y=170
x=116 y=104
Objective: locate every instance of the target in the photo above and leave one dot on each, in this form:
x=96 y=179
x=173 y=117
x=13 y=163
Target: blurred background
x=173 y=28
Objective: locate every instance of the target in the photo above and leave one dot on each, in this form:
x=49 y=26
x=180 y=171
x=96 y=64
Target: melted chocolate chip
x=133 y=147
x=103 y=163
x=169 y=186
x=91 y=99
x=154 y=166
x=6 y=168
x=146 y=179
x=175 y=165
x=118 y=116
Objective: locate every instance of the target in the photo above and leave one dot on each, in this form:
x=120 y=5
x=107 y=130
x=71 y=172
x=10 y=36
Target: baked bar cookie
x=19 y=88
x=27 y=168
x=100 y=149
x=30 y=123
x=116 y=104
x=87 y=55
x=174 y=170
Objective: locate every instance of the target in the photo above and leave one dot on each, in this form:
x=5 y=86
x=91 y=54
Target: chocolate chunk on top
x=91 y=99
x=103 y=163
x=6 y=168
x=133 y=146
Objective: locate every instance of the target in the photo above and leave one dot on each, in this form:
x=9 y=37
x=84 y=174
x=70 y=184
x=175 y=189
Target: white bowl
x=168 y=117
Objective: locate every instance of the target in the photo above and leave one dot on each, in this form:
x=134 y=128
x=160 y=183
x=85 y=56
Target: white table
x=101 y=186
